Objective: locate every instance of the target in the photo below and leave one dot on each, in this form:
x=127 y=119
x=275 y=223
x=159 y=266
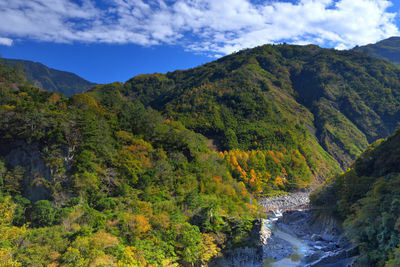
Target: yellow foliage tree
x=102 y=240
x=209 y=248
x=138 y=225
x=14 y=235
x=6 y=258
x=54 y=98
x=103 y=260
x=91 y=251
x=131 y=257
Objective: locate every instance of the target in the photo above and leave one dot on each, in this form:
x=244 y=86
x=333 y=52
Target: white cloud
x=6 y=41
x=209 y=26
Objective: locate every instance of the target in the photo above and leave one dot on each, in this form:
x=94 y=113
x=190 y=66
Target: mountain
x=388 y=49
x=305 y=110
x=84 y=184
x=50 y=79
x=164 y=170
x=367 y=197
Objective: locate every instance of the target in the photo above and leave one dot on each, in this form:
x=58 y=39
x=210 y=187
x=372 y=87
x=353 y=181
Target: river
x=299 y=236
x=303 y=237
x=300 y=248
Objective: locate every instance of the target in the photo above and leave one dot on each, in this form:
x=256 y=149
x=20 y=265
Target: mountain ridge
x=388 y=49
x=123 y=174
x=274 y=96
x=51 y=79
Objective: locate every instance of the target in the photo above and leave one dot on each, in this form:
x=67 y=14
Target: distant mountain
x=51 y=79
x=388 y=49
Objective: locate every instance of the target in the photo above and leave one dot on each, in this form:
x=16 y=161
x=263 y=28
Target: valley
x=275 y=156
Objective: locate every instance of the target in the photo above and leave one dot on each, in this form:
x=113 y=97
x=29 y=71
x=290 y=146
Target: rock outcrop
x=251 y=255
x=38 y=177
x=28 y=156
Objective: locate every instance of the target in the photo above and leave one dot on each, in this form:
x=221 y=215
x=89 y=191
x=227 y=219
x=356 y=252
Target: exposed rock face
x=265 y=234
x=337 y=258
x=250 y=256
x=323 y=234
x=37 y=176
x=28 y=156
x=310 y=225
x=240 y=257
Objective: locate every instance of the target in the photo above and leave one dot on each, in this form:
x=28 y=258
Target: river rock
x=313 y=256
x=277 y=249
x=319 y=230
x=316 y=237
x=335 y=258
x=328 y=258
x=328 y=237
x=293 y=200
x=286 y=228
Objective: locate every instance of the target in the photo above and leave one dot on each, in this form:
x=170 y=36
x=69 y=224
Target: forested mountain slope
x=124 y=174
x=388 y=49
x=311 y=109
x=368 y=198
x=51 y=79
x=87 y=184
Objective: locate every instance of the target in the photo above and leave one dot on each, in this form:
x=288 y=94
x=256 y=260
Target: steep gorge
x=123 y=174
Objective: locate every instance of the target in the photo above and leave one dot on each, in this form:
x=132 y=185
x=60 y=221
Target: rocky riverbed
x=290 y=201
x=295 y=237
x=321 y=234
x=304 y=237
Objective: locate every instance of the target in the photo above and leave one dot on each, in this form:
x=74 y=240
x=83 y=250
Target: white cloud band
x=200 y=25
x=6 y=41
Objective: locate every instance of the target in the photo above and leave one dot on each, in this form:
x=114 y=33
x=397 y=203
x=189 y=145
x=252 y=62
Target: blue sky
x=114 y=40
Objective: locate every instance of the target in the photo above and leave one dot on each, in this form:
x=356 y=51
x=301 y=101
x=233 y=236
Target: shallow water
x=299 y=247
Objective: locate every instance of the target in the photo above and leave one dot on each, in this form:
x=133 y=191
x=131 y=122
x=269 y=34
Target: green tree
x=43 y=214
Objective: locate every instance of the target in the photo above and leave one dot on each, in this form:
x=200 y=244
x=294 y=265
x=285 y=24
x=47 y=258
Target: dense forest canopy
x=388 y=49
x=164 y=169
x=89 y=183
x=308 y=111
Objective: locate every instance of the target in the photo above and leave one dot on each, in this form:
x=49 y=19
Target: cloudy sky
x=111 y=40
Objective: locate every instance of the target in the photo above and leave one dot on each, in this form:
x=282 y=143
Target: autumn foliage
x=118 y=184
x=263 y=171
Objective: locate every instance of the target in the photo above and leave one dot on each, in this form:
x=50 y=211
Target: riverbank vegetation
x=368 y=200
